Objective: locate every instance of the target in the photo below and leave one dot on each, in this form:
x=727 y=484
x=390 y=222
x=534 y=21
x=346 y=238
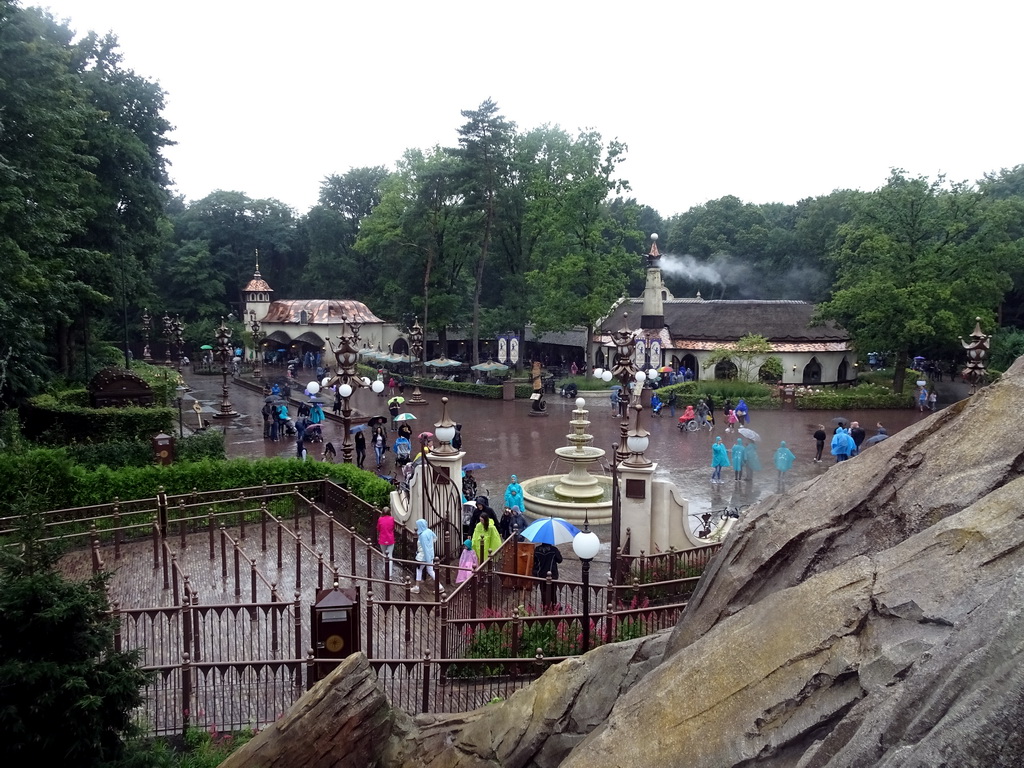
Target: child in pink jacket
x=467 y=562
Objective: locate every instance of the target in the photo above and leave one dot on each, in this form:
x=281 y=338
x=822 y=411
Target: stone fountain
x=577 y=495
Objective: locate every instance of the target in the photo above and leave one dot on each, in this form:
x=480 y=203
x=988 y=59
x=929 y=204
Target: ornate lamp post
x=257 y=337
x=147 y=321
x=346 y=354
x=181 y=390
x=224 y=353
x=624 y=369
x=416 y=346
x=178 y=330
x=637 y=441
x=168 y=338
x=977 y=351
x=444 y=431
x=586 y=546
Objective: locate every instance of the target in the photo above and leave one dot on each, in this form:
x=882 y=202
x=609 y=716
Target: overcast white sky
x=768 y=101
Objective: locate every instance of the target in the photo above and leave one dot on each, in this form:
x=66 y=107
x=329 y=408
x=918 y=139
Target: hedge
x=139 y=453
x=757 y=396
x=46 y=478
x=863 y=396
x=57 y=419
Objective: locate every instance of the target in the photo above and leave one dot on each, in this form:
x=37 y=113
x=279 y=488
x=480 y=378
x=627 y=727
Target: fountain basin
x=542 y=501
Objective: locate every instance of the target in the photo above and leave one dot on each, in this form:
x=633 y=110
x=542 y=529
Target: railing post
x=426 y=683
x=298 y=637
x=241 y=515
x=609 y=624
x=275 y=618
x=407 y=610
x=517 y=625
x=156 y=543
x=310 y=677
x=197 y=646
x=117 y=529
x=210 y=525
x=319 y=570
x=117 y=626
x=298 y=561
x=490 y=583
x=312 y=524
x=238 y=582
x=263 y=524
x=280 y=544
x=176 y=599
x=182 y=526
x=161 y=505
x=352 y=553
x=186 y=693
x=369 y=623
x=223 y=553
x=330 y=537
x=444 y=641
x=252 y=572
x=163 y=553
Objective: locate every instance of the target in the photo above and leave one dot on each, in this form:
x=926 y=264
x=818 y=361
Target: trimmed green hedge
x=46 y=478
x=58 y=420
x=757 y=396
x=862 y=396
x=139 y=453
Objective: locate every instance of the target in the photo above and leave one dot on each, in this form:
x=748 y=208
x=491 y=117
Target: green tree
x=332 y=227
x=748 y=354
x=580 y=263
x=485 y=155
x=66 y=693
x=916 y=264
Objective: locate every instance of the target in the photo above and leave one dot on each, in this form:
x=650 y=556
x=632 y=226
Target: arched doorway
x=400 y=347
x=599 y=359
x=844 y=371
x=690 y=361
x=725 y=369
x=812 y=372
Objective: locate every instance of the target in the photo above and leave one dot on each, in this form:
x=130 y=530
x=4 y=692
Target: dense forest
x=507 y=227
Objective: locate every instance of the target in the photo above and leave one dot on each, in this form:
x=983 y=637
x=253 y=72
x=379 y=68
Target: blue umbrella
x=550 y=530
x=358 y=428
x=474 y=465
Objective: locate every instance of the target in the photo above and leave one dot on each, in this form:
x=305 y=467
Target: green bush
x=585 y=383
x=758 y=396
x=208 y=444
x=58 y=420
x=47 y=478
x=863 y=396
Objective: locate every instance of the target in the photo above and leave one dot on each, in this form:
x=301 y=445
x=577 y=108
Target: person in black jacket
x=546 y=558
x=820 y=436
x=858 y=434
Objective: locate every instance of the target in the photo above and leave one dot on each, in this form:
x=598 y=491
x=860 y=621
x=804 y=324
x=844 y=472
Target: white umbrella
x=749 y=434
x=550 y=530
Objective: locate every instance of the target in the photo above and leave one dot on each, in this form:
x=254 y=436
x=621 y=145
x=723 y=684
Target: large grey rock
x=870 y=618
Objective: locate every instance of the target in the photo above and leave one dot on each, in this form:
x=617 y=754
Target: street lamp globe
x=345 y=390
x=377 y=386
x=366 y=381
x=598 y=373
x=580 y=402
x=640 y=377
x=586 y=545
x=606 y=376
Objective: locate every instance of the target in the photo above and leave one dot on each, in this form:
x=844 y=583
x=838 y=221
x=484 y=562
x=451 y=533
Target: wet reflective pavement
x=508 y=440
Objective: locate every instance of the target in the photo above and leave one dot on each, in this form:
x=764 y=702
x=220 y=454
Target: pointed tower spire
x=653 y=317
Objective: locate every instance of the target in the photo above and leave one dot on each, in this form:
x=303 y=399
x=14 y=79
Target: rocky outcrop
x=344 y=720
x=872 y=617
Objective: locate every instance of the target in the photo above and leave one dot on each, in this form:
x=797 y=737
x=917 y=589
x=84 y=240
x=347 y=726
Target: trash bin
x=508 y=390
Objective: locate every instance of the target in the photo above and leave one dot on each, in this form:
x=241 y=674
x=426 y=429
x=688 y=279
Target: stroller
x=403 y=451
x=313 y=433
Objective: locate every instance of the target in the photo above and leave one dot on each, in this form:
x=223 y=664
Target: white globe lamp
x=377 y=386
x=606 y=376
x=586 y=545
x=345 y=390
x=312 y=388
x=580 y=402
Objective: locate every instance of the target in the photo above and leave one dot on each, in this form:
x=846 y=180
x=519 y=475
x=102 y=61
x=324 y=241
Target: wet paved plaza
x=505 y=437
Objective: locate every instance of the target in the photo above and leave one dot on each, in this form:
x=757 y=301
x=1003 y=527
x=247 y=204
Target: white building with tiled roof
x=686 y=332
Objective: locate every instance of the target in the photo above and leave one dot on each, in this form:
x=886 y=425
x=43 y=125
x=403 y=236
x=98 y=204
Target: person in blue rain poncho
x=737 y=457
x=425 y=539
x=751 y=461
x=742 y=412
x=842 y=445
x=719 y=459
x=514 y=494
x=783 y=463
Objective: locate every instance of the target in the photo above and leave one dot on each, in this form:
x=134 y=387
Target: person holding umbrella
x=546 y=558
x=393 y=409
x=783 y=463
x=751 y=461
x=737 y=458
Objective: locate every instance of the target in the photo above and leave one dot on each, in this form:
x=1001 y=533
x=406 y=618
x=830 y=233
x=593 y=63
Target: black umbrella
x=875 y=439
x=841 y=421
x=375 y=420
